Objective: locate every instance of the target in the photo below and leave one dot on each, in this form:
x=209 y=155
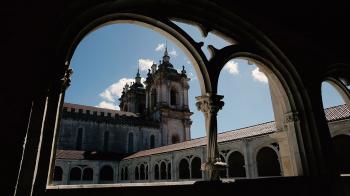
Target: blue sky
x=110 y=56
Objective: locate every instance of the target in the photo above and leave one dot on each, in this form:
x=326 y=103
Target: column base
x=212 y=170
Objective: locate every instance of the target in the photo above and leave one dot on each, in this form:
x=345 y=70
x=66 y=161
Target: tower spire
x=138 y=78
x=166 y=48
x=166 y=57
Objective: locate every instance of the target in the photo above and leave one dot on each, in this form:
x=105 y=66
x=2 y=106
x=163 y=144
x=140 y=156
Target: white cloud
x=232 y=67
x=108 y=105
x=160 y=47
x=115 y=90
x=107 y=95
x=145 y=64
x=173 y=53
x=259 y=76
x=188 y=62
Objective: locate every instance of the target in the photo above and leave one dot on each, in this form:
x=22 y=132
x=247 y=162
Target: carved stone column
x=51 y=126
x=210 y=104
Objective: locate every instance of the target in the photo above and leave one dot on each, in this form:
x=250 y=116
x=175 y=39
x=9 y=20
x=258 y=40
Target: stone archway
x=184 y=170
x=268 y=162
x=236 y=165
x=196 y=168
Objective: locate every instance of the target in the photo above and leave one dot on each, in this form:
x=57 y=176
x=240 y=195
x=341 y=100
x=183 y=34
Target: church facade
x=149 y=139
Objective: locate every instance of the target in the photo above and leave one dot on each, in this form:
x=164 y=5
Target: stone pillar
x=96 y=172
x=32 y=144
x=51 y=126
x=248 y=162
x=210 y=104
x=289 y=146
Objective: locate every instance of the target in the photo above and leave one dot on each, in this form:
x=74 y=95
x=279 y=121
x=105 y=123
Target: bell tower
x=133 y=97
x=167 y=101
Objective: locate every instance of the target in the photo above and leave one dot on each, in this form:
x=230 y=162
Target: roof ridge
x=65 y=104
x=337 y=106
x=255 y=125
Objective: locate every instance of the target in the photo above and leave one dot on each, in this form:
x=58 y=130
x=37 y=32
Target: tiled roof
x=70 y=154
x=337 y=112
x=256 y=130
x=87 y=155
x=332 y=114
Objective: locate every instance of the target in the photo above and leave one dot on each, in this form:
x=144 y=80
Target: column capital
x=210 y=103
x=291 y=117
x=64 y=82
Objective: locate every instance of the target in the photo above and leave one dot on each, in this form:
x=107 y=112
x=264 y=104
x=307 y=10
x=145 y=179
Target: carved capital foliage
x=210 y=103
x=65 y=80
x=291 y=117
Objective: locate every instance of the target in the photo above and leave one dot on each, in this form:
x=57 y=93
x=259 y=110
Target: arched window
x=137 y=176
x=175 y=139
x=162 y=171
x=146 y=176
x=153 y=98
x=156 y=172
x=173 y=97
x=131 y=142
x=342 y=153
x=236 y=165
x=223 y=172
x=142 y=172
x=184 y=170
x=268 y=163
x=79 y=140
x=169 y=171
x=88 y=174
x=151 y=142
x=57 y=176
x=106 y=173
x=75 y=173
x=196 y=168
